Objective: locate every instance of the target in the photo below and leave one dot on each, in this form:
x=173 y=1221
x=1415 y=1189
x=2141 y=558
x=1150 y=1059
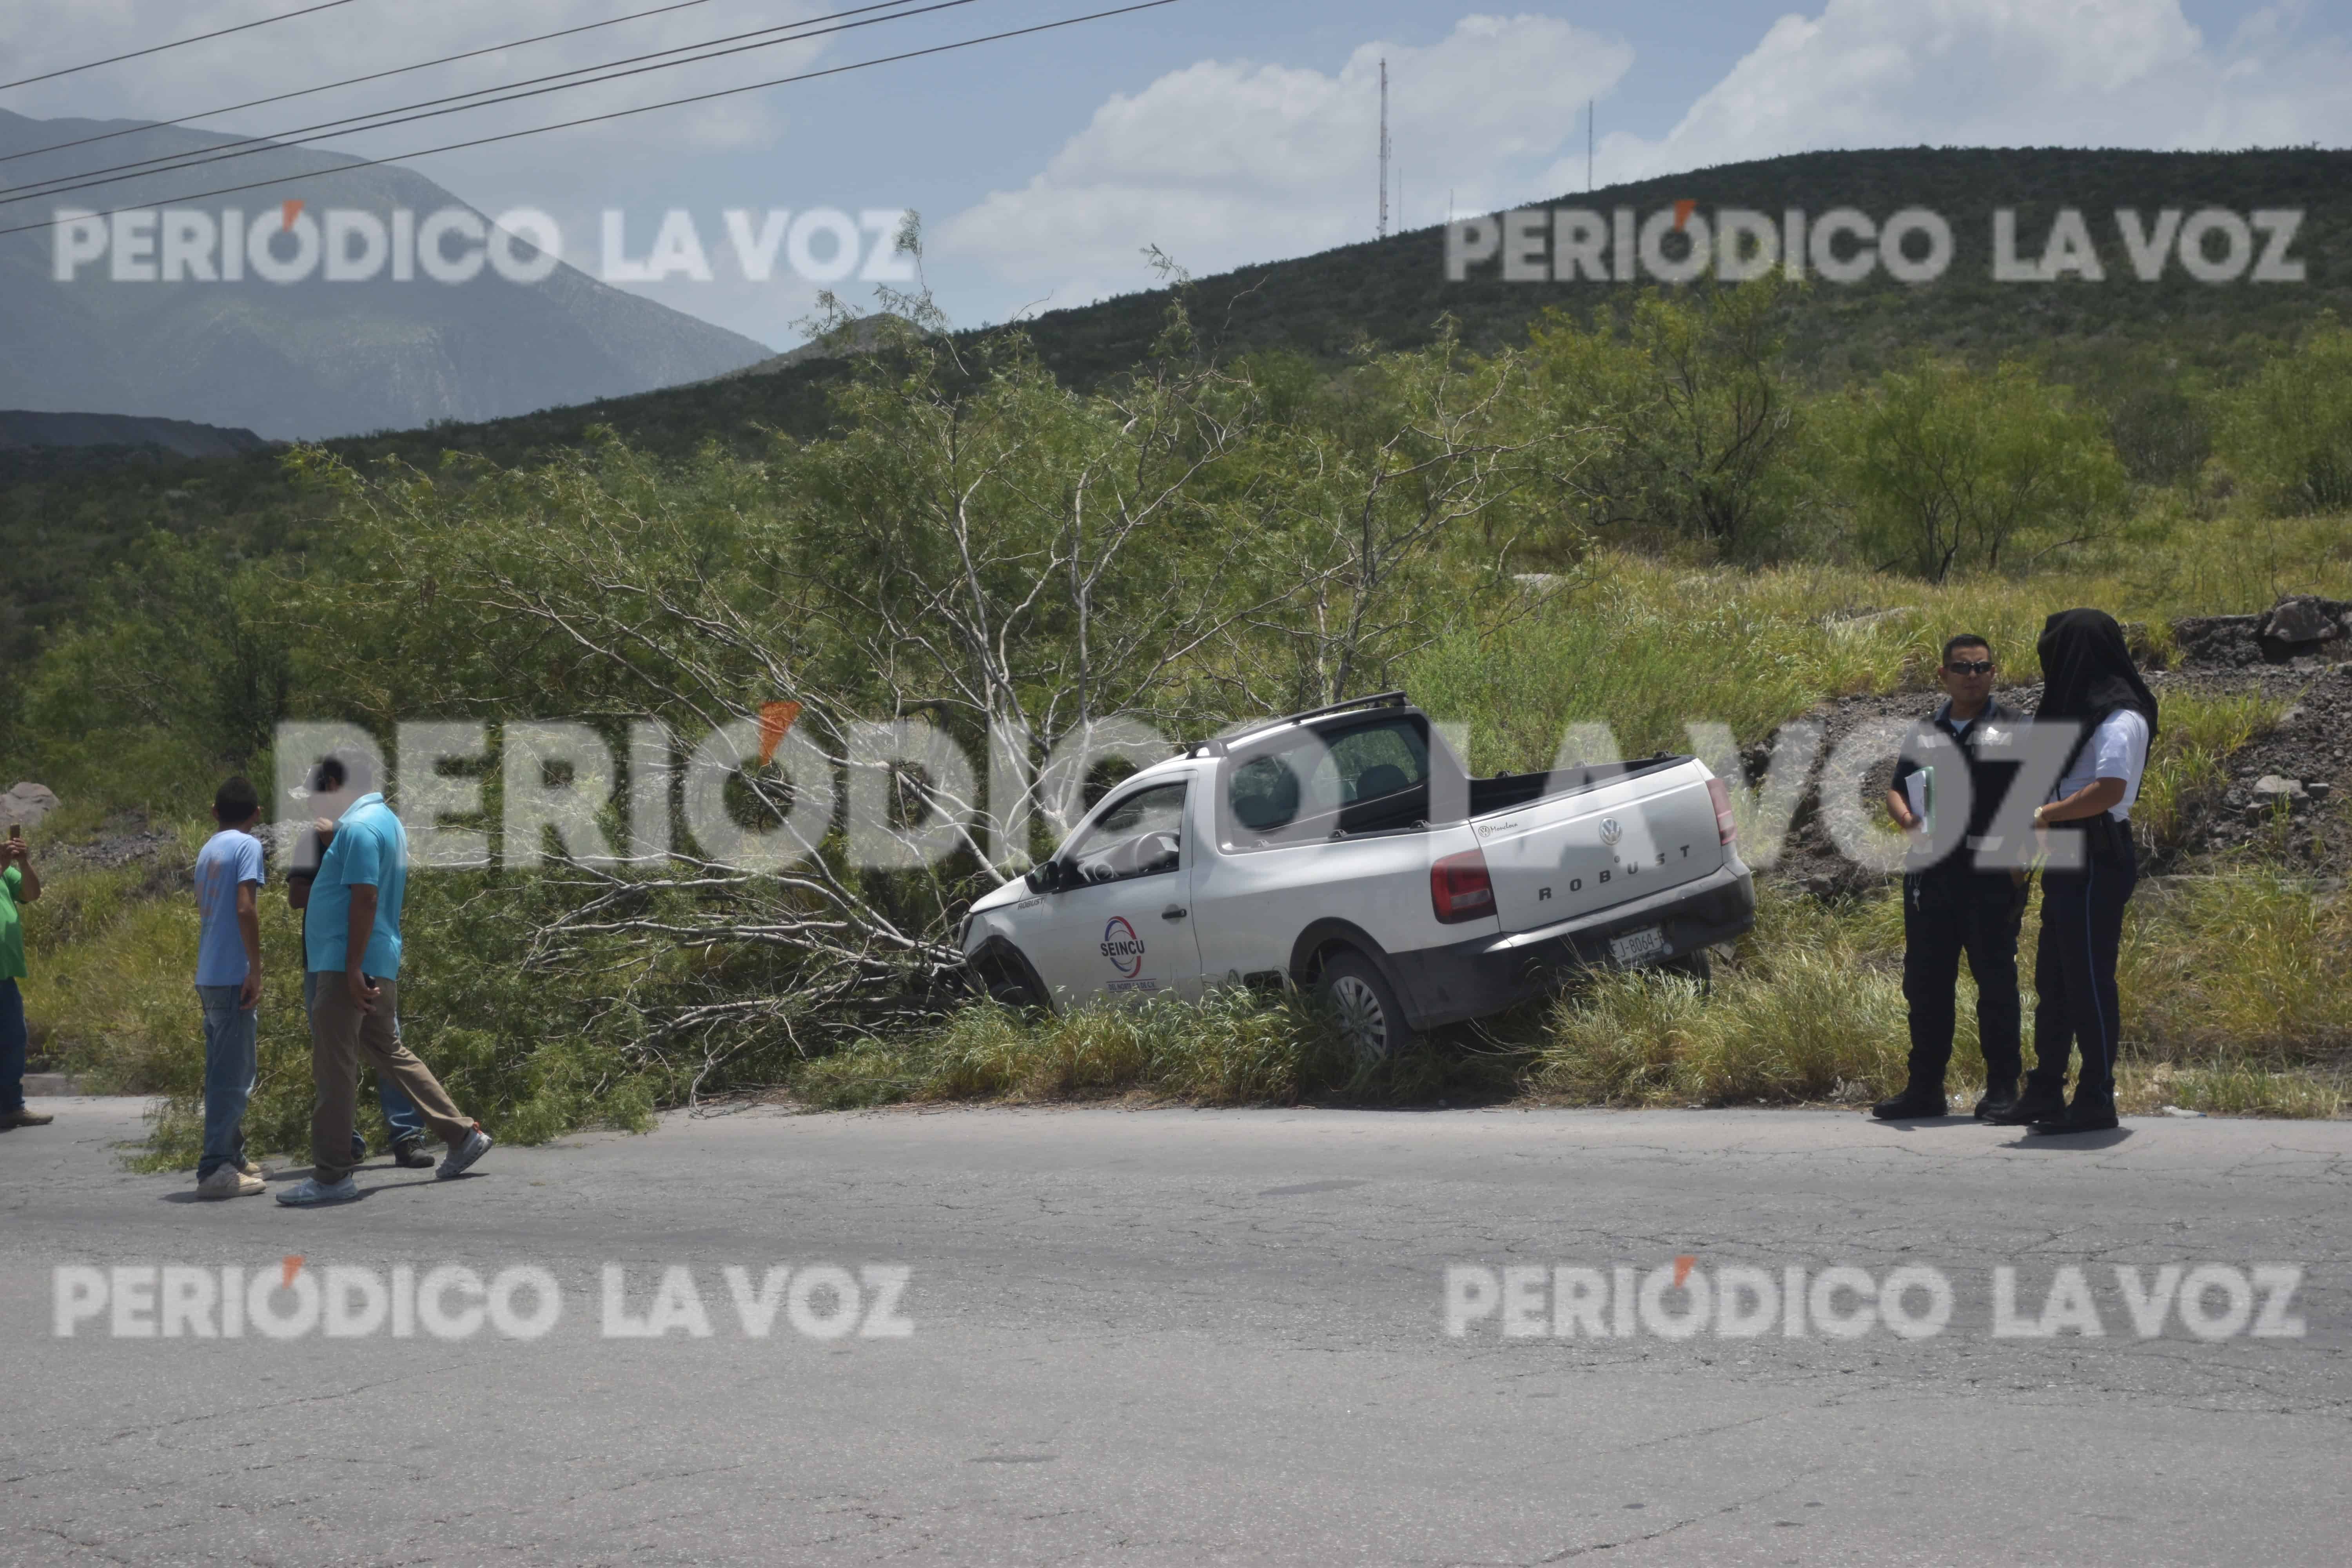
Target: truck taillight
x=1459 y=888
x=1726 y=827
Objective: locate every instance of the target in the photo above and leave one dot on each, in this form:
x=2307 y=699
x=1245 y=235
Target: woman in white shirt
x=2089 y=681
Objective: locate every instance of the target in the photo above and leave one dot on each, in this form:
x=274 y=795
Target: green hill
x=1394 y=292
x=2126 y=343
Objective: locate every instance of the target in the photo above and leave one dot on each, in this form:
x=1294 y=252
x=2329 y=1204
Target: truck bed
x=1504 y=792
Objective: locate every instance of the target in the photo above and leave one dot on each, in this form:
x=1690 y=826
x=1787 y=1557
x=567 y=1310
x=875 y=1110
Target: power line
x=176 y=43
x=351 y=82
x=378 y=120
x=401 y=114
x=625 y=113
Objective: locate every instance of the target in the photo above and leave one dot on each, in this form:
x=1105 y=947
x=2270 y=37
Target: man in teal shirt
x=353 y=940
x=19 y=884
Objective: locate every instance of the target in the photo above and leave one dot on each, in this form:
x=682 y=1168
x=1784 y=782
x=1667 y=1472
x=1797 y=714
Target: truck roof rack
x=1216 y=747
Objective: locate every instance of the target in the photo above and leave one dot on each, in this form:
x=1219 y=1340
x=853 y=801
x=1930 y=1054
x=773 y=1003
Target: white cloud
x=2009 y=73
x=1226 y=162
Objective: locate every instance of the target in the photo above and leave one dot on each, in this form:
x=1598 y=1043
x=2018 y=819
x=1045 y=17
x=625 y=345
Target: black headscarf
x=2088 y=673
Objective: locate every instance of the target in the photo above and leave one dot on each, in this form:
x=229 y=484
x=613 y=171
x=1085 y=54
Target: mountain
x=858 y=337
x=314 y=356
x=65 y=517
x=2109 y=337
x=21 y=428
x=1395 y=292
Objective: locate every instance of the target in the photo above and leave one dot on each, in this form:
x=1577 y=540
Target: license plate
x=1638 y=946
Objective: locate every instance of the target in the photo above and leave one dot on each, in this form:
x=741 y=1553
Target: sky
x=1221 y=131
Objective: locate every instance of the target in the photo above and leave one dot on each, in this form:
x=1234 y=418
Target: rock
x=2319 y=789
x=2227 y=641
x=2302 y=619
x=26 y=804
x=2270 y=786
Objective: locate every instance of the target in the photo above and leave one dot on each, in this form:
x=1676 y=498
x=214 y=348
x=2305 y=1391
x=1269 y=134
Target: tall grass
x=2198 y=735
x=1647 y=644
x=2250 y=967
x=2237 y=996
x=1230 y=1047
x=1811 y=1010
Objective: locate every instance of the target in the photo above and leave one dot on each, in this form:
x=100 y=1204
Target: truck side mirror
x=1045 y=879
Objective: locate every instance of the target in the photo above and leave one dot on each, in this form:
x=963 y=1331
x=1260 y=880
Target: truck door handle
x=1173 y=912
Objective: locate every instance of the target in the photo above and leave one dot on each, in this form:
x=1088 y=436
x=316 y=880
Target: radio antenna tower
x=1384 y=149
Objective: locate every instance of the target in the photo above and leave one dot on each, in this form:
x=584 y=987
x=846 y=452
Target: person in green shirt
x=19 y=884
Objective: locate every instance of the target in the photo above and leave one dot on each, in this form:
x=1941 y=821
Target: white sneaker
x=477 y=1144
x=228 y=1182
x=313 y=1193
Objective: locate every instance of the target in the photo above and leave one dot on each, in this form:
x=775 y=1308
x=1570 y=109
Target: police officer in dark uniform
x=1951 y=906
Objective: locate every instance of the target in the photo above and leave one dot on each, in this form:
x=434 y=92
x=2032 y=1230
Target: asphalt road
x=1179 y=1338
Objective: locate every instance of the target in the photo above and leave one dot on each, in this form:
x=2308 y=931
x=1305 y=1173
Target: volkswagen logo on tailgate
x=1610 y=832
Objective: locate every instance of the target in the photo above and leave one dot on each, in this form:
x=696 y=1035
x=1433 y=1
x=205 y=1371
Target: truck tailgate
x=1576 y=853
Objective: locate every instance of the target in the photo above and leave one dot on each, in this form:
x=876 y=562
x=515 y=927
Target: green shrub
x=1952 y=468
x=2289 y=428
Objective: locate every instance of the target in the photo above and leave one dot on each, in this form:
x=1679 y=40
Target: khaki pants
x=340 y=1035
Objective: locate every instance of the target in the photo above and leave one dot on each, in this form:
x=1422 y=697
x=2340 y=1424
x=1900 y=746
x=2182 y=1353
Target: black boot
x=2000 y=1100
x=2038 y=1103
x=1916 y=1101
x=2096 y=1114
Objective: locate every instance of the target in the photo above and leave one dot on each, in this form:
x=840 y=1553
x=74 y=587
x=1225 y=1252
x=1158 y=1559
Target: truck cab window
x=1310 y=785
x=1264 y=794
x=1142 y=836
x=1376 y=760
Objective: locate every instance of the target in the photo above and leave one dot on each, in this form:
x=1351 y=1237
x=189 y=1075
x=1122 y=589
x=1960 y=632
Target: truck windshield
x=1142 y=836
x=1308 y=781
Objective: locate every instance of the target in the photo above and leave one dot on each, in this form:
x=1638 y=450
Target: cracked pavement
x=1178 y=1337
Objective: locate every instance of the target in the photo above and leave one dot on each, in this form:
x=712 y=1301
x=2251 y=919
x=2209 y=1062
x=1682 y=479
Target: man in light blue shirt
x=353 y=954
x=329 y=796
x=228 y=983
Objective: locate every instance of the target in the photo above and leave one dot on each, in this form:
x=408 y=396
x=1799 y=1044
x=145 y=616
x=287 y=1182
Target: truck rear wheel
x=1696 y=964
x=1372 y=1020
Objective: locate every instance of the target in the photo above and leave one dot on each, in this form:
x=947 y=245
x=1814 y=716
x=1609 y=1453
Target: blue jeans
x=231 y=1065
x=399 y=1115
x=12 y=1048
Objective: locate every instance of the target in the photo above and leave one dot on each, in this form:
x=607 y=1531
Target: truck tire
x=1696 y=964
x=1006 y=977
x=1372 y=1020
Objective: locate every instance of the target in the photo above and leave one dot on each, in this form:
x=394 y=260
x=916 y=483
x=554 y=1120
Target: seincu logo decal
x=1123 y=947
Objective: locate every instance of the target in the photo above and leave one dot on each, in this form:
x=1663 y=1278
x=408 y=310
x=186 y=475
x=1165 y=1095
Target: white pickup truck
x=1349 y=849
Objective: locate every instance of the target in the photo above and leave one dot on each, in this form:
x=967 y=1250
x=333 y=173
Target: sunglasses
x=1971 y=667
